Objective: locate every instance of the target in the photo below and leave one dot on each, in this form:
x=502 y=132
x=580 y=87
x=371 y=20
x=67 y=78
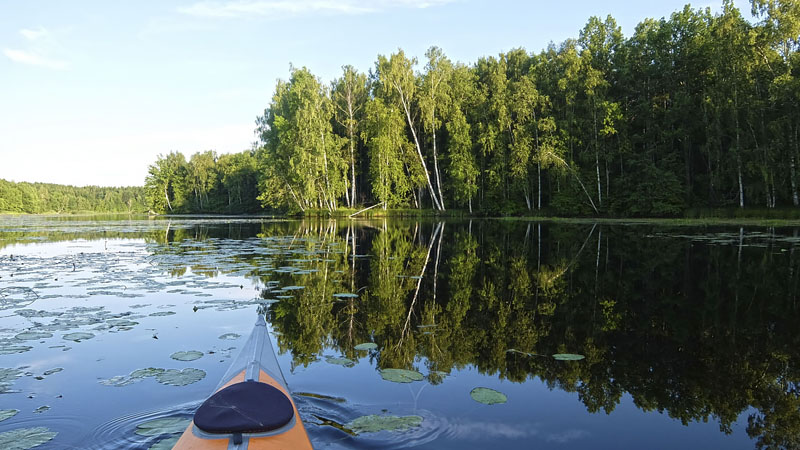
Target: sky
x=91 y=92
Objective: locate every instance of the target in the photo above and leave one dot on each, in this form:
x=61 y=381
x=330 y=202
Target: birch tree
x=398 y=85
x=350 y=94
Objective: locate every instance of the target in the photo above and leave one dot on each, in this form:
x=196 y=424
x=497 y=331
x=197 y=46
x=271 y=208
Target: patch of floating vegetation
x=77 y=337
x=162 y=426
x=401 y=375
x=169 y=377
x=190 y=355
x=7 y=413
x=185 y=377
x=375 y=423
x=321 y=396
x=366 y=346
x=340 y=361
x=26 y=438
x=41 y=409
x=33 y=335
x=10 y=347
x=230 y=336
x=568 y=357
x=488 y=396
x=8 y=376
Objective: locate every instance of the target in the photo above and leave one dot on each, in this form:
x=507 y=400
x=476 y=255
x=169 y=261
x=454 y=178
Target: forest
x=38 y=198
x=698 y=110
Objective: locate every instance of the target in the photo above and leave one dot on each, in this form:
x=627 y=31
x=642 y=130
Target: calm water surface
x=682 y=337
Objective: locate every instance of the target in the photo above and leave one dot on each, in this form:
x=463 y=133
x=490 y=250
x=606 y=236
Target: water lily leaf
x=340 y=361
x=122 y=323
x=52 y=371
x=487 y=396
x=345 y=295
x=8 y=348
x=148 y=372
x=165 y=444
x=230 y=336
x=161 y=313
x=190 y=355
x=165 y=425
x=568 y=357
x=136 y=375
x=7 y=413
x=374 y=423
x=25 y=438
x=401 y=375
x=33 y=335
x=293 y=288
x=9 y=375
x=366 y=346
x=77 y=337
x=41 y=409
x=174 y=377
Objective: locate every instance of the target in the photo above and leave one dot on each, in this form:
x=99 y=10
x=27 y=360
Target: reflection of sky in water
x=85 y=285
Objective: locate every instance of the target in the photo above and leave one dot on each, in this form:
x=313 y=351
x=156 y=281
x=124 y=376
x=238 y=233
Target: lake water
x=664 y=337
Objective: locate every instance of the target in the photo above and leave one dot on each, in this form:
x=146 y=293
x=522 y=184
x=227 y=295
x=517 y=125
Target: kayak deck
x=255 y=363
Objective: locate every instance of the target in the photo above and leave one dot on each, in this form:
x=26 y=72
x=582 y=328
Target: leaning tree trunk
x=407 y=109
x=436 y=167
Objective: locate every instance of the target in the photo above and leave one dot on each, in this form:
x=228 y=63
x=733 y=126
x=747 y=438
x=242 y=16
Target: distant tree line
x=35 y=198
x=207 y=182
x=699 y=110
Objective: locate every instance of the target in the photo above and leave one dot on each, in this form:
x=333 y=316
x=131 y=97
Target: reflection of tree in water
x=698 y=331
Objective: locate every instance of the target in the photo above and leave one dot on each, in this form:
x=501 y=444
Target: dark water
x=688 y=336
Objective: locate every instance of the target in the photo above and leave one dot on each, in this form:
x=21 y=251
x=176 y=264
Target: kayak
x=251 y=408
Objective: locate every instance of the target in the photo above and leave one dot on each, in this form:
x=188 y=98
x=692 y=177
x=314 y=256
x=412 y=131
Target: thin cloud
x=34 y=59
x=283 y=8
x=33 y=35
x=41 y=48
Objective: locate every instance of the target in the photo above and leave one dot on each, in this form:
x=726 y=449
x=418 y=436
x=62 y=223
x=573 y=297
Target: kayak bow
x=251 y=408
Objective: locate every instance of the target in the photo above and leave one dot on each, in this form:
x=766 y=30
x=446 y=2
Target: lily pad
x=161 y=313
x=374 y=423
x=8 y=348
x=7 y=413
x=166 y=425
x=122 y=323
x=366 y=346
x=33 y=335
x=230 y=336
x=25 y=438
x=190 y=355
x=567 y=357
x=41 y=409
x=347 y=362
x=487 y=396
x=401 y=375
x=52 y=371
x=9 y=375
x=136 y=375
x=174 y=377
x=345 y=295
x=165 y=444
x=77 y=337
x=148 y=372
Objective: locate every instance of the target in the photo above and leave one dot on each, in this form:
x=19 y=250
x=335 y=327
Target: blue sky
x=92 y=91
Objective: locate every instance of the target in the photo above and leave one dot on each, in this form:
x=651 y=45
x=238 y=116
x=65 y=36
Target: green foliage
x=206 y=183
x=39 y=198
x=694 y=110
